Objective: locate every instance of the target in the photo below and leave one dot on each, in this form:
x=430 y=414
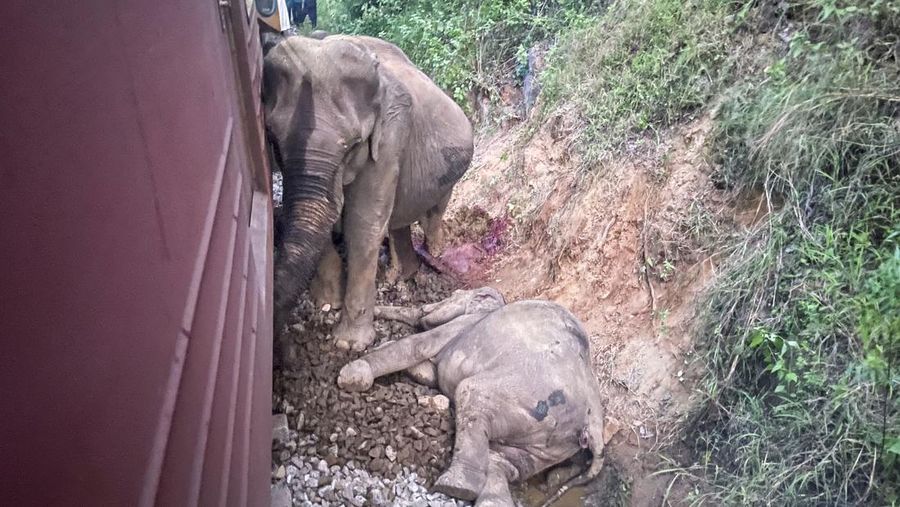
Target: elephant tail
x=591 y=438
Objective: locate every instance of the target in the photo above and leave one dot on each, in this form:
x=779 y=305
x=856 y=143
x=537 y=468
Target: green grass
x=640 y=67
x=463 y=45
x=803 y=328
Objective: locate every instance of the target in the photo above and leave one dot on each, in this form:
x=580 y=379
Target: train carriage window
x=266 y=7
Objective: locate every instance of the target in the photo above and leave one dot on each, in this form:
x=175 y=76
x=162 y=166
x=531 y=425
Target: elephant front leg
x=356 y=330
x=410 y=352
x=325 y=288
x=367 y=209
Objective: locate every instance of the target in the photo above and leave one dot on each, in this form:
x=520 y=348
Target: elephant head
x=322 y=103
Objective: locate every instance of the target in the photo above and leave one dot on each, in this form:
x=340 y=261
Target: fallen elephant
x=519 y=376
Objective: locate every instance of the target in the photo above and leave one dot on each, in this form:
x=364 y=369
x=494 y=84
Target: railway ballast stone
x=382 y=447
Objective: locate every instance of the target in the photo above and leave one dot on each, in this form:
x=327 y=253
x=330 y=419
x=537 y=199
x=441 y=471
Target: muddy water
x=530 y=495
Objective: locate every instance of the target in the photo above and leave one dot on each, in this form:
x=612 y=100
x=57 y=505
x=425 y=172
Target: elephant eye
x=351 y=143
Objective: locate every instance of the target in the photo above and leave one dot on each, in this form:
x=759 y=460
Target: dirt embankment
x=620 y=244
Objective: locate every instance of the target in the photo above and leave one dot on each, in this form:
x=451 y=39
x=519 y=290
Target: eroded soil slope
x=618 y=243
x=621 y=245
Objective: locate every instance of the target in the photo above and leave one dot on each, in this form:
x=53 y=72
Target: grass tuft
x=641 y=66
x=803 y=329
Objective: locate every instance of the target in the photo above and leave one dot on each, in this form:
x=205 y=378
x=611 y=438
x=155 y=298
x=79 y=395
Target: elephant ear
x=392 y=120
x=469 y=302
x=444 y=311
x=485 y=300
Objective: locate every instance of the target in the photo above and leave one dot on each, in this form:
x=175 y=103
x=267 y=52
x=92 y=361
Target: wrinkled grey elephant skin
x=520 y=379
x=367 y=145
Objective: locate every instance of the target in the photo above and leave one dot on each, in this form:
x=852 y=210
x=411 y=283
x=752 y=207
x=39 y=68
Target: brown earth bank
x=621 y=244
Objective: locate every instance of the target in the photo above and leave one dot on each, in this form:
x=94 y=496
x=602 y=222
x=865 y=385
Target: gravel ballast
x=381 y=447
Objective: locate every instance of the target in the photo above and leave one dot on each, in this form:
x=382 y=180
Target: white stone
x=281 y=496
x=280 y=432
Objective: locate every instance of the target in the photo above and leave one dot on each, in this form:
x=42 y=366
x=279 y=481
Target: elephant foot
x=356 y=338
x=326 y=292
x=356 y=376
x=323 y=295
x=460 y=481
x=495 y=492
x=424 y=373
x=494 y=500
x=411 y=271
x=403 y=273
x=392 y=275
x=435 y=245
x=326 y=287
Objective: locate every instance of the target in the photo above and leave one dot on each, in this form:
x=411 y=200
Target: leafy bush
x=804 y=327
x=641 y=66
x=461 y=44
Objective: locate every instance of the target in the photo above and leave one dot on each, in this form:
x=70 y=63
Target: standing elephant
x=519 y=376
x=367 y=143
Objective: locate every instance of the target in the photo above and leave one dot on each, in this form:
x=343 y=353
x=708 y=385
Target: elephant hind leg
x=404 y=261
x=433 y=225
x=495 y=492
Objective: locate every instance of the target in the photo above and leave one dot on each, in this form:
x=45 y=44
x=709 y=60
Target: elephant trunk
x=311 y=207
x=409 y=316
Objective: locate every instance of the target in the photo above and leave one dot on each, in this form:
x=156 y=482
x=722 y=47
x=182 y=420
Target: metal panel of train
x=136 y=241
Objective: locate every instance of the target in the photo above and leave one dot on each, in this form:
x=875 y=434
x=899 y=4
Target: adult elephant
x=367 y=143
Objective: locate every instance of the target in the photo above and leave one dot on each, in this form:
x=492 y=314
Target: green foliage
x=461 y=44
x=639 y=67
x=804 y=326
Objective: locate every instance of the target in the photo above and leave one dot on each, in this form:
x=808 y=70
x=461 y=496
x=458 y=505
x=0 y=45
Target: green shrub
x=461 y=44
x=639 y=67
x=804 y=325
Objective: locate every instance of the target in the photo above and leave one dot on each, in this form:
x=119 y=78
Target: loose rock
x=280 y=432
x=281 y=495
x=370 y=442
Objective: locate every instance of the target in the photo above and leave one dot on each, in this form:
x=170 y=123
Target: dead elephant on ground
x=519 y=376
